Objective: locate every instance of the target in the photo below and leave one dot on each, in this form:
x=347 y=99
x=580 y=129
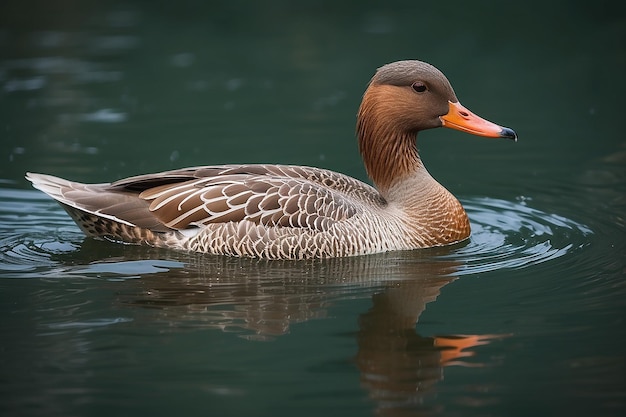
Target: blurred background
x=100 y=90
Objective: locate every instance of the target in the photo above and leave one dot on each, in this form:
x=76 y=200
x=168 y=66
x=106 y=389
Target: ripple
x=32 y=230
x=127 y=269
x=513 y=235
x=88 y=324
x=43 y=241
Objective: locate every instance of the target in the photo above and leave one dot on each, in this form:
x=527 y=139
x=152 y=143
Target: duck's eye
x=419 y=87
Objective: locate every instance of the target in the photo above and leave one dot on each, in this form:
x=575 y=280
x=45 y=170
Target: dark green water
x=527 y=318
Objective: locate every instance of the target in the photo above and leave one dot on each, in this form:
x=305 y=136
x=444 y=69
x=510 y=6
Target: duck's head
x=413 y=96
x=403 y=98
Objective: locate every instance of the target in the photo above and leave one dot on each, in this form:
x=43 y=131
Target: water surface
x=525 y=318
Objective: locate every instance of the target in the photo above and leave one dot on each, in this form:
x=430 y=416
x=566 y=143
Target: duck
x=299 y=212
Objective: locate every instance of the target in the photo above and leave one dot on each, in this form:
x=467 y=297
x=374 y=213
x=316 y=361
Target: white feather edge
x=52 y=186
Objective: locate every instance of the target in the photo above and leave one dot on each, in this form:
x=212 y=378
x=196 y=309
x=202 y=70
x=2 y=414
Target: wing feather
x=265 y=195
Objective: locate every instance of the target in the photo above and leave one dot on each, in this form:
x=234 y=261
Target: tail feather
x=50 y=185
x=99 y=200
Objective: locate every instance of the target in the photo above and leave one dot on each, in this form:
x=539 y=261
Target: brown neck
x=388 y=148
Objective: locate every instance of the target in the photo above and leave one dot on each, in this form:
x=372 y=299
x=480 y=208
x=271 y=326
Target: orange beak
x=462 y=119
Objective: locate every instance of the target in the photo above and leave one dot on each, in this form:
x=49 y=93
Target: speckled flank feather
x=291 y=212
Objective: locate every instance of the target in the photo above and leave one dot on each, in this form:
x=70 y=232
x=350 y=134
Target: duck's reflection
x=398 y=366
x=262 y=299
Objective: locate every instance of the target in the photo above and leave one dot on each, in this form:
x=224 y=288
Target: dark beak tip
x=508 y=134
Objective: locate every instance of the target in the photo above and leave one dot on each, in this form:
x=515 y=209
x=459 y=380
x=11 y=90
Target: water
x=526 y=318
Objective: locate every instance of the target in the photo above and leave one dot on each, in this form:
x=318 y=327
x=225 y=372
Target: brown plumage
x=295 y=212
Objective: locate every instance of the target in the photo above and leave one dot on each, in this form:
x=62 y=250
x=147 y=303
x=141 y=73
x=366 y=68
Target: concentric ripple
x=32 y=230
x=513 y=235
x=38 y=239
